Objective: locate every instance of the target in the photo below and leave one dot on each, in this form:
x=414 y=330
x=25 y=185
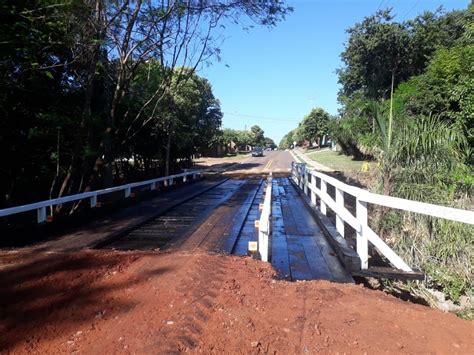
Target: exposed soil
x=155 y=302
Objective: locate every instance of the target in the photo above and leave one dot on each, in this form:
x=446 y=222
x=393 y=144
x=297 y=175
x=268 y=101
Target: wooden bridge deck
x=299 y=248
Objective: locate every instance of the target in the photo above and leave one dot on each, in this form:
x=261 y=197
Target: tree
x=288 y=139
x=314 y=126
x=41 y=96
x=269 y=143
x=421 y=136
x=444 y=90
x=187 y=123
x=177 y=33
x=70 y=98
x=379 y=47
x=258 y=136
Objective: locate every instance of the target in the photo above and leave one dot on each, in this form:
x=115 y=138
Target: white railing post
x=171 y=181
x=185 y=178
x=128 y=192
x=153 y=186
x=264 y=225
x=41 y=214
x=313 y=185
x=340 y=205
x=362 y=240
x=305 y=181
x=324 y=190
x=302 y=175
x=93 y=201
x=297 y=174
x=263 y=245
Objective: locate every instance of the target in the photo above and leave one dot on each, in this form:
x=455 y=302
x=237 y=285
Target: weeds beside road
x=335 y=160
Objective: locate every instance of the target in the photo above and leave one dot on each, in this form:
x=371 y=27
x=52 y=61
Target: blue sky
x=272 y=78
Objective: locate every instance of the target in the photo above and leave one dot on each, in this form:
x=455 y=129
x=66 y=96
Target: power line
x=378 y=8
x=407 y=13
x=287 y=119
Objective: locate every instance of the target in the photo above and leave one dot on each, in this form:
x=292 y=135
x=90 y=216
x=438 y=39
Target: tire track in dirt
x=199 y=289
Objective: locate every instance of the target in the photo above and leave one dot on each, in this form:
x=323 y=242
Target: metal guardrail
x=306 y=180
x=41 y=206
x=265 y=225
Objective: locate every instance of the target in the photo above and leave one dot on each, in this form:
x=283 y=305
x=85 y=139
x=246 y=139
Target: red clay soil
x=111 y=302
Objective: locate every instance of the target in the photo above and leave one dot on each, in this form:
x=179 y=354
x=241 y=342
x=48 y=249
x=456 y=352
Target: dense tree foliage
x=407 y=102
x=288 y=140
x=379 y=47
x=310 y=130
x=97 y=92
x=313 y=126
x=235 y=139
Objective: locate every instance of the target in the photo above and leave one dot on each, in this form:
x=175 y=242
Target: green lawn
x=335 y=160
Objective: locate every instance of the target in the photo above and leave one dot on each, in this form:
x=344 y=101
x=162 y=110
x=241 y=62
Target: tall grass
x=422 y=158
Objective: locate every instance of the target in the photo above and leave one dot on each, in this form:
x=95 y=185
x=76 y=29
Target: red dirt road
x=110 y=302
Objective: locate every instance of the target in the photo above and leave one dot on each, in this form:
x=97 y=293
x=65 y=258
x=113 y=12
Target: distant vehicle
x=257 y=152
x=275 y=148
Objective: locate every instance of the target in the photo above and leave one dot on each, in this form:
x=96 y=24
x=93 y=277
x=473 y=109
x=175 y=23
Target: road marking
x=268 y=164
x=265 y=167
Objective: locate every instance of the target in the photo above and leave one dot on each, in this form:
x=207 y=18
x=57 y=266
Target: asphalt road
x=272 y=161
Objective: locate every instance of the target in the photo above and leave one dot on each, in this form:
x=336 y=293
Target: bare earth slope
x=154 y=302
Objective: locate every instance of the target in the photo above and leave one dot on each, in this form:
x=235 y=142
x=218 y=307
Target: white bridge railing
x=265 y=225
x=41 y=207
x=306 y=180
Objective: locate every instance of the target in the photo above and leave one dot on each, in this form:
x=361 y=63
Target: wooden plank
x=238 y=222
x=338 y=273
x=280 y=259
x=316 y=261
x=299 y=266
x=303 y=220
x=390 y=273
x=347 y=256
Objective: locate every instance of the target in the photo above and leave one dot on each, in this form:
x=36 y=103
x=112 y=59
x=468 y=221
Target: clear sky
x=272 y=78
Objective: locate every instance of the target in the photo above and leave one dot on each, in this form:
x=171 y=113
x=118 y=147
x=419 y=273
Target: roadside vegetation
x=336 y=160
x=236 y=140
x=96 y=93
x=407 y=103
x=310 y=130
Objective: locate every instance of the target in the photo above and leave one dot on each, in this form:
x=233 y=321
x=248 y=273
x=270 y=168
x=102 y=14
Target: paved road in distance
x=272 y=161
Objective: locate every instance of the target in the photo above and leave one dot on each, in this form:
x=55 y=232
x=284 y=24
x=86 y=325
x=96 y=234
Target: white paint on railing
x=323 y=201
x=340 y=206
x=264 y=228
x=41 y=206
x=362 y=240
x=93 y=201
x=311 y=189
x=360 y=222
x=385 y=249
x=453 y=214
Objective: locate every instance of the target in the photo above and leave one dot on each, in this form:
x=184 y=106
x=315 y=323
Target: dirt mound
x=99 y=302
